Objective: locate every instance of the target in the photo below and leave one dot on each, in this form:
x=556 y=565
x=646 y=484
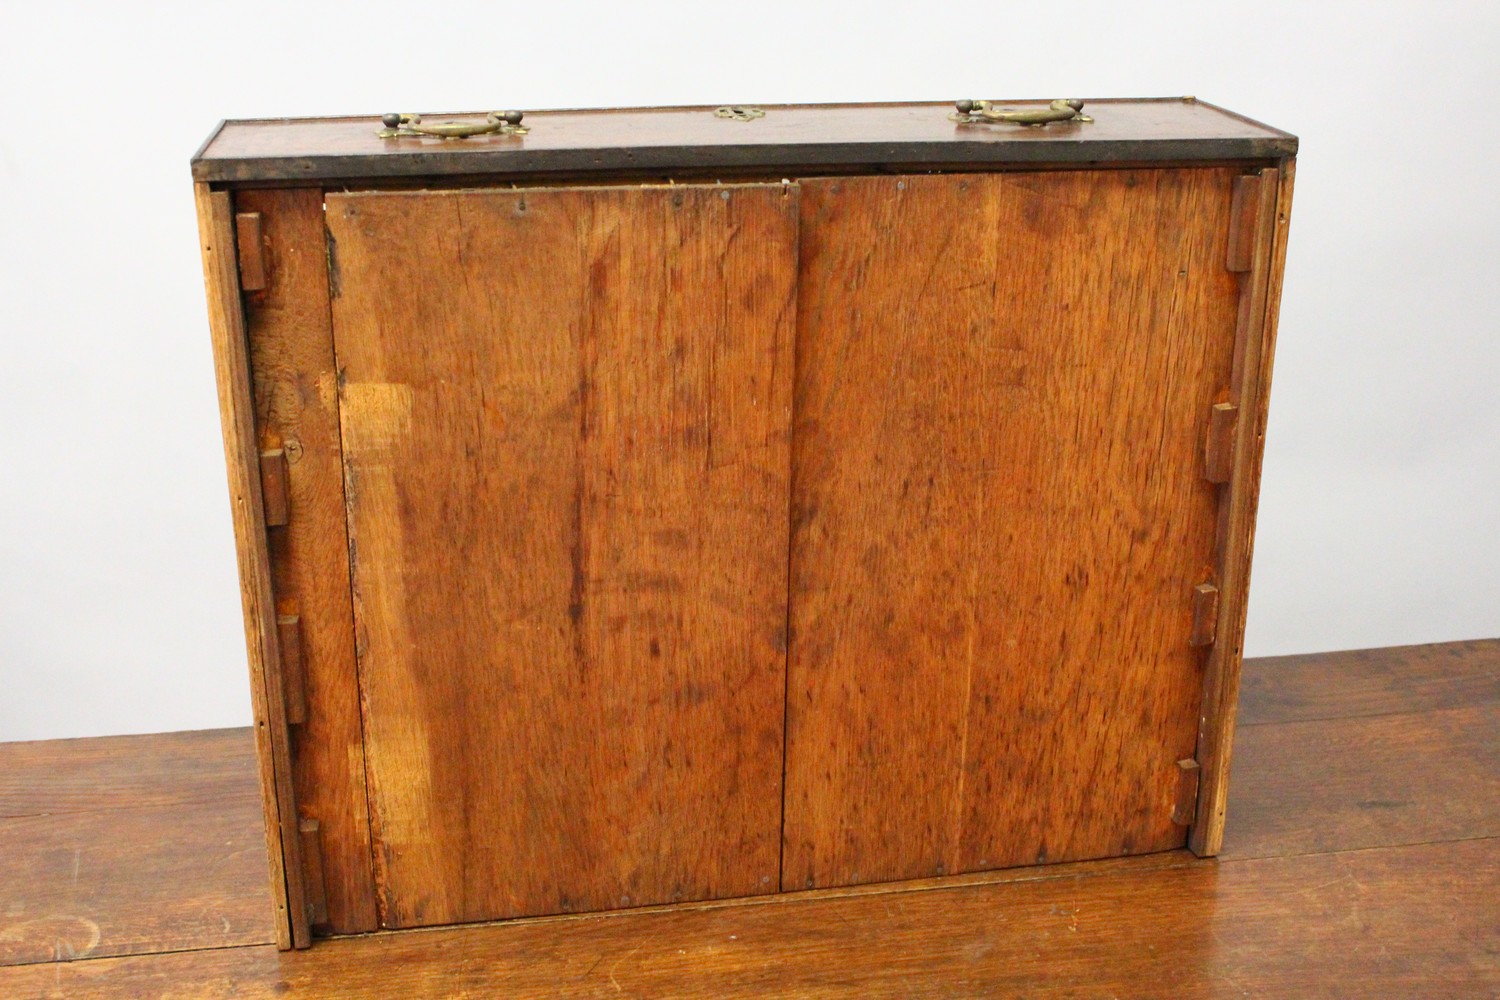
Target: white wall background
x=119 y=607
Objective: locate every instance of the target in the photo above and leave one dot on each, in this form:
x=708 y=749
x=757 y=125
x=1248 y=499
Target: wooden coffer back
x=659 y=507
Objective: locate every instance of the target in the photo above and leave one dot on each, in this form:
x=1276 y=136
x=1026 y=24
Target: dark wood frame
x=869 y=147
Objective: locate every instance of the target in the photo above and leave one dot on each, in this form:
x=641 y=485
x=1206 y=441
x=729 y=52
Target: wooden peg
x=251 y=247
x=275 y=495
x=1218 y=450
x=312 y=872
x=1185 y=810
x=1244 y=212
x=1205 y=615
x=293 y=678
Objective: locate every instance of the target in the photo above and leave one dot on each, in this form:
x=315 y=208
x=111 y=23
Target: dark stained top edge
x=318 y=169
x=203 y=149
x=587 y=141
x=1257 y=123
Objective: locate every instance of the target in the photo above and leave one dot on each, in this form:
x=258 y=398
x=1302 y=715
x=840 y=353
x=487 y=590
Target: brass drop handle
x=496 y=123
x=1062 y=110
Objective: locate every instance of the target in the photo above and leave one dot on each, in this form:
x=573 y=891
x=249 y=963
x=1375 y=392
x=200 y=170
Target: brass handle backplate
x=407 y=126
x=739 y=113
x=983 y=112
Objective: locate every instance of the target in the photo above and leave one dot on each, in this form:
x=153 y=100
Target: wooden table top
x=789 y=137
x=1362 y=859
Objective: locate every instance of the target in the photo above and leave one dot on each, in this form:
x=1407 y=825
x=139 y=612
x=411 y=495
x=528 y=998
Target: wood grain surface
x=226 y=323
x=296 y=411
x=850 y=137
x=999 y=515
x=1418 y=922
x=112 y=772
x=1363 y=682
x=1346 y=784
x=129 y=844
x=565 y=418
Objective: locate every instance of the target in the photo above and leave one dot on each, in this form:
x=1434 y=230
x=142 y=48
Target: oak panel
x=226 y=322
x=1267 y=196
x=565 y=423
x=999 y=515
x=295 y=389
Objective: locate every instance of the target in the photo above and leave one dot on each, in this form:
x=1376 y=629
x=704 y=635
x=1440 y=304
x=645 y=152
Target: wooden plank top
x=1401 y=900
x=851 y=136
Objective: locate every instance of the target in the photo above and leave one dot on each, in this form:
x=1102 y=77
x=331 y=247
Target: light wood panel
x=1420 y=922
x=295 y=385
x=565 y=417
x=1000 y=514
x=1267 y=195
x=226 y=322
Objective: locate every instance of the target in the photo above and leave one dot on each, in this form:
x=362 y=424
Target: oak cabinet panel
x=654 y=507
x=564 y=420
x=999 y=515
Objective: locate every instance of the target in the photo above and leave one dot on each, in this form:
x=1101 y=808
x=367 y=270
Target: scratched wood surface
x=1367 y=748
x=107 y=772
x=999 y=515
x=1419 y=922
x=564 y=418
x=1359 y=788
x=1359 y=682
x=128 y=844
x=295 y=389
x=1416 y=918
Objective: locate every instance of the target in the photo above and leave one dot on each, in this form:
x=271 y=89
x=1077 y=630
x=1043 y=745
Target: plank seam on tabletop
x=1348 y=718
x=1436 y=842
x=271 y=945
x=811 y=897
